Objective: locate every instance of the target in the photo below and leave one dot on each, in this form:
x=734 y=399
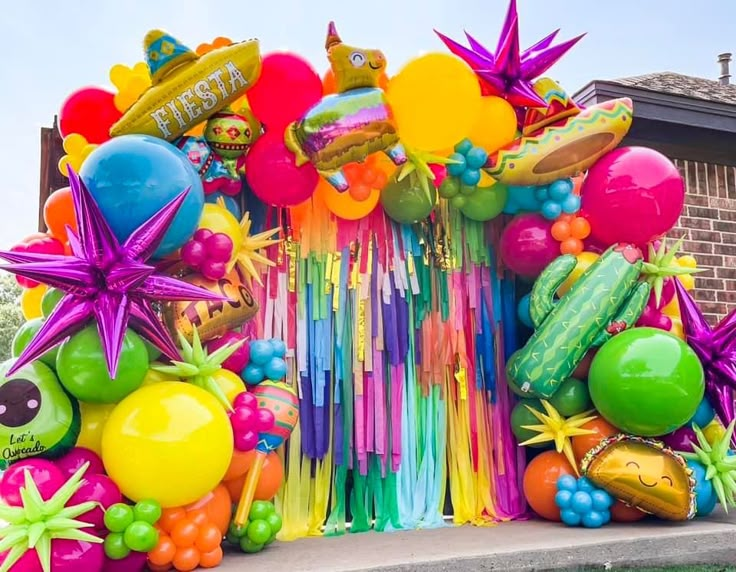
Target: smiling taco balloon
x=645 y=474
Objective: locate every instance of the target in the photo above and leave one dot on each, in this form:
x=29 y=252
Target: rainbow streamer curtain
x=397 y=341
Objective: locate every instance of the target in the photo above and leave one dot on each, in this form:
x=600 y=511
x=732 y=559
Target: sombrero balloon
x=186 y=88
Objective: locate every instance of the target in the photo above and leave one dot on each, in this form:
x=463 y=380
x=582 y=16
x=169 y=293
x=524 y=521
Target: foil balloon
x=509 y=72
x=104 y=281
x=229 y=306
x=716 y=349
x=645 y=474
x=209 y=165
x=187 y=89
x=230 y=135
x=558 y=106
x=350 y=125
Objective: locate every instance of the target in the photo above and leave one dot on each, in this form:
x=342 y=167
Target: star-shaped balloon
x=104 y=281
x=508 y=72
x=247 y=251
x=716 y=349
x=719 y=464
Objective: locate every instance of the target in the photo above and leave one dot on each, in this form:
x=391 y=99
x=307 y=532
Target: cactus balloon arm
x=627 y=315
x=543 y=293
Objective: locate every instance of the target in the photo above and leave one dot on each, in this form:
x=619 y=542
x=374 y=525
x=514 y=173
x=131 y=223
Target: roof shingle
x=682 y=85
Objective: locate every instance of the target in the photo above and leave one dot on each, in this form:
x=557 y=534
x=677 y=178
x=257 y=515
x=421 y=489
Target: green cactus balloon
x=607 y=299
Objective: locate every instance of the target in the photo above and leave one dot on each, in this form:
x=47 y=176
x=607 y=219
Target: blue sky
x=54 y=48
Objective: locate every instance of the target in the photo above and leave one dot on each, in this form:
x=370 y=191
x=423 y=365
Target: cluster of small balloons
x=266 y=361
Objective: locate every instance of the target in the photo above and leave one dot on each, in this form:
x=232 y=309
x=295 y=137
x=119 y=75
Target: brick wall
x=708 y=223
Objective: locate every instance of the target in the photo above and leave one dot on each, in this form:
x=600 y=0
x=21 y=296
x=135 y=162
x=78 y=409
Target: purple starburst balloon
x=104 y=281
x=508 y=72
x=716 y=348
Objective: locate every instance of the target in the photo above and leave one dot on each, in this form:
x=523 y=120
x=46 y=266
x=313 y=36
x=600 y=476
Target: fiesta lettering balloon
x=352 y=124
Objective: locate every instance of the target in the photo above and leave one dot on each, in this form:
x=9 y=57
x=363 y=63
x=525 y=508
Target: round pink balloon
x=100 y=489
x=272 y=174
x=45 y=475
x=240 y=358
x=527 y=245
x=632 y=195
x=78 y=456
x=133 y=562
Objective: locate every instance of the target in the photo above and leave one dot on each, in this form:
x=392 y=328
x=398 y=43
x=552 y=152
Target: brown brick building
x=693 y=122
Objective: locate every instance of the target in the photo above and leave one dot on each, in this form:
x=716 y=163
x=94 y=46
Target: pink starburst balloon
x=104 y=281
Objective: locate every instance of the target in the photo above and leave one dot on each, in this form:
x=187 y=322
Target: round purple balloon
x=527 y=245
x=681 y=440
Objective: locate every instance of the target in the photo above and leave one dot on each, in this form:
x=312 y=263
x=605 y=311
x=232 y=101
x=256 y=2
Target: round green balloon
x=50 y=299
x=82 y=367
x=23 y=337
x=521 y=416
x=406 y=201
x=37 y=418
x=571 y=398
x=646 y=382
x=485 y=203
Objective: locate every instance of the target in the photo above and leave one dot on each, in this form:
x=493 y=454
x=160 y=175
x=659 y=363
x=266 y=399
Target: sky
x=53 y=48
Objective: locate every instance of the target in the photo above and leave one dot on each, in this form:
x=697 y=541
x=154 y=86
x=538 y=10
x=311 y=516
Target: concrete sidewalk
x=530 y=545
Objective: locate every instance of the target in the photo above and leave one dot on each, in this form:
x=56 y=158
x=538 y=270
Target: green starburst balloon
x=198 y=366
x=720 y=467
x=37 y=522
x=662 y=264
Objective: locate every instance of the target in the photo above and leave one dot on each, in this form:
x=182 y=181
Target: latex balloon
x=540 y=483
x=520 y=416
x=343 y=205
x=58 y=213
x=90 y=112
x=154 y=435
x=30 y=301
x=646 y=382
x=585 y=259
x=94 y=418
x=527 y=245
x=37 y=418
x=484 y=204
x=269 y=482
x=643 y=474
x=495 y=126
x=602 y=429
x=406 y=201
x=23 y=337
x=83 y=372
x=571 y=398
x=220 y=219
x=681 y=439
x=633 y=194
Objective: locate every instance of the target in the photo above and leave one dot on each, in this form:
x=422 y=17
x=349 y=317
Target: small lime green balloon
x=23 y=337
x=50 y=299
x=486 y=203
x=521 y=416
x=571 y=398
x=646 y=382
x=82 y=367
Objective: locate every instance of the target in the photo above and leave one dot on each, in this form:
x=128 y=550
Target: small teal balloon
x=567 y=483
x=230 y=203
x=132 y=177
x=585 y=485
x=278 y=346
x=541 y=194
x=606 y=514
x=560 y=190
x=261 y=352
x=571 y=204
x=551 y=210
x=476 y=158
x=470 y=177
x=601 y=500
x=253 y=374
x=563 y=499
x=581 y=502
x=464 y=147
x=458 y=168
x=275 y=369
x=593 y=519
x=570 y=517
x=522 y=311
x=703 y=415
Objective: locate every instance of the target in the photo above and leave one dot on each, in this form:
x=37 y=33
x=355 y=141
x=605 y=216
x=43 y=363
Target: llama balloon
x=350 y=125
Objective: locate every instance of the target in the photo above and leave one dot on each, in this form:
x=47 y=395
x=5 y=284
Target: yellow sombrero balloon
x=186 y=89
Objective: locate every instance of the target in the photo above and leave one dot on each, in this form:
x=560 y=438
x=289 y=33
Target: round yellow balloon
x=343 y=205
x=170 y=442
x=687 y=261
x=30 y=302
x=229 y=383
x=153 y=376
x=714 y=431
x=687 y=281
x=94 y=416
x=585 y=259
x=672 y=309
x=677 y=329
x=495 y=126
x=217 y=218
x=435 y=100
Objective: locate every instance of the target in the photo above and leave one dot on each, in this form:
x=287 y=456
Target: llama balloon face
x=350 y=125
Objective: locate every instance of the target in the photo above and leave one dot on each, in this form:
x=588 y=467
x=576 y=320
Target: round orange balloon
x=344 y=205
x=268 y=485
x=239 y=465
x=58 y=212
x=584 y=443
x=621 y=512
x=540 y=483
x=219 y=508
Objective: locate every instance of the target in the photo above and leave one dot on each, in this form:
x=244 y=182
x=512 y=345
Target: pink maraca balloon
x=45 y=474
x=76 y=458
x=527 y=245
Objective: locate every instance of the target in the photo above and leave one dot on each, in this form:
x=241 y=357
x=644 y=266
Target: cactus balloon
x=607 y=299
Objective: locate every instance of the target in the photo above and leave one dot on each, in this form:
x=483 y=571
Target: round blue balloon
x=541 y=194
x=521 y=199
x=470 y=177
x=261 y=352
x=278 y=346
x=584 y=484
x=551 y=210
x=458 y=168
x=704 y=414
x=593 y=519
x=230 y=203
x=559 y=190
x=570 y=517
x=705 y=494
x=134 y=176
x=601 y=500
x=581 y=502
x=275 y=369
x=563 y=499
x=253 y=374
x=464 y=147
x=606 y=514
x=522 y=311
x=476 y=158
x=571 y=204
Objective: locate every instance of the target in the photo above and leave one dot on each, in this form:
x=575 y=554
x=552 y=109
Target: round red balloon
x=90 y=112
x=285 y=90
x=527 y=245
x=272 y=174
x=632 y=195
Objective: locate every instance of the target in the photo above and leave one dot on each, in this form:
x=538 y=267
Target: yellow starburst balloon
x=555 y=427
x=247 y=251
